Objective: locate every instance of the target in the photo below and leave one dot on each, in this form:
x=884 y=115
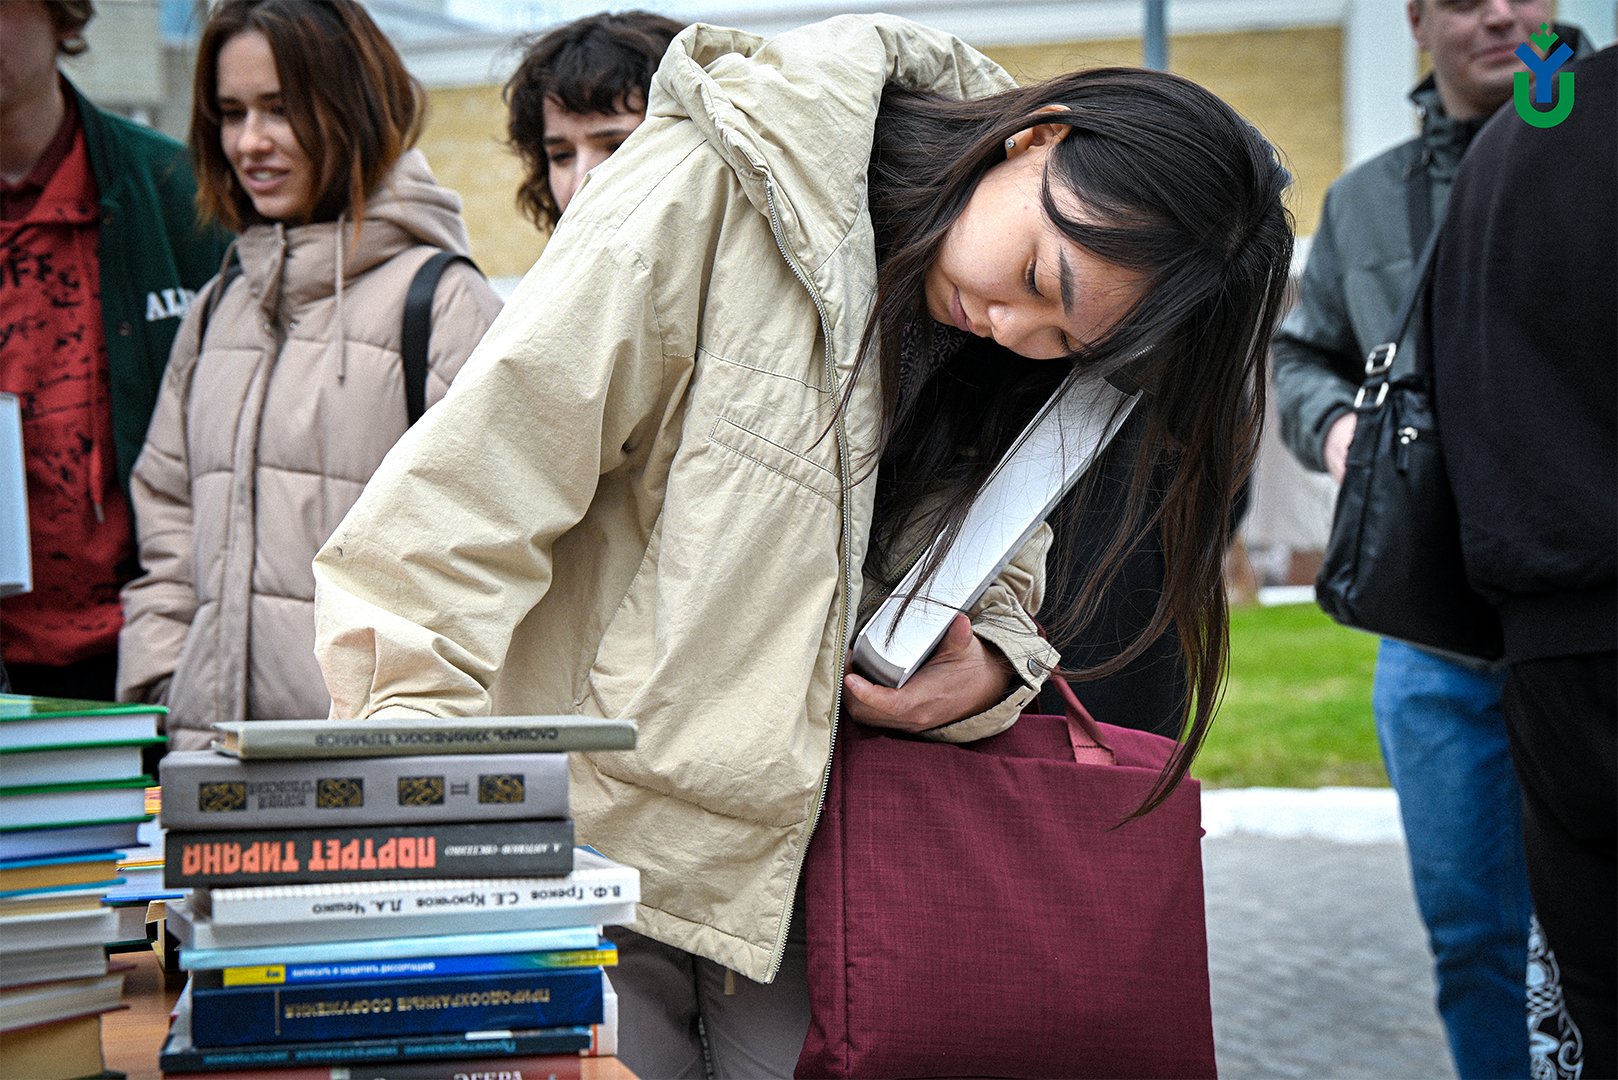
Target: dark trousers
x=1562 y=719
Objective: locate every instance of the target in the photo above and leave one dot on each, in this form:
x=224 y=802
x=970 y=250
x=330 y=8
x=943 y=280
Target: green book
x=47 y=805
x=38 y=723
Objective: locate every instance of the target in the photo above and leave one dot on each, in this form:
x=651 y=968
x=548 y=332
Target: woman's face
x=1005 y=272
x=575 y=143
x=256 y=135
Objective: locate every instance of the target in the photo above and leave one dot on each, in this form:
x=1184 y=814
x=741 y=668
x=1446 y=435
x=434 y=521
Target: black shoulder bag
x=1393 y=563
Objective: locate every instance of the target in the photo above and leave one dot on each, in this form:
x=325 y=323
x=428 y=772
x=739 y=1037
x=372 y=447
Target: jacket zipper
x=843 y=471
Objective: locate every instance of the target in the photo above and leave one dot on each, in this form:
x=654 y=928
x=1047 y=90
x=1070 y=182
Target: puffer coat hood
x=270 y=421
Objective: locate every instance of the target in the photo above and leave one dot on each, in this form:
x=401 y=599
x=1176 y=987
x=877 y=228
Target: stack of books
x=403 y=893
x=71 y=795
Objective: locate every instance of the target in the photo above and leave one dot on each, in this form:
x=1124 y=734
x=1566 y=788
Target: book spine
x=375 y=738
x=605 y=955
x=368 y=853
x=450 y=1048
x=205 y=790
x=238 y=1016
x=200 y=933
x=387 y=899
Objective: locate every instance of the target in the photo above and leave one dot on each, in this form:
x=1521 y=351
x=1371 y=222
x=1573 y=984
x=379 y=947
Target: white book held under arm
x=1062 y=440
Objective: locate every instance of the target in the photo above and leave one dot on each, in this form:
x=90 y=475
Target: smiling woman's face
x=255 y=134
x=1005 y=272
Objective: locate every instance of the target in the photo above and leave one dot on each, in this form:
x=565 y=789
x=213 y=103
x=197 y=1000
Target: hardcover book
x=58 y=840
x=181 y=1055
x=58 y=722
x=604 y=954
x=16 y=562
x=390 y=736
x=401 y=948
x=1049 y=456
x=368 y=853
x=244 y=1015
x=207 y=790
x=198 y=932
x=91 y=803
x=43 y=1002
x=570 y=899
x=67 y=1048
x=17 y=875
x=45 y=765
x=32 y=932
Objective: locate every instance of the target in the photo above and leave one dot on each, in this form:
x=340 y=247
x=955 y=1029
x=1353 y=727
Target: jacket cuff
x=1032 y=660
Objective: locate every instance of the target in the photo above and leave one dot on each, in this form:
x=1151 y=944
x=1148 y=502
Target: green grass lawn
x=1297 y=709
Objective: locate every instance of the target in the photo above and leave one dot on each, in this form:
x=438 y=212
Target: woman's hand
x=964 y=677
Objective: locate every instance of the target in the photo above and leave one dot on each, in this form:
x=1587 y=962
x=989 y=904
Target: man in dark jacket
x=100 y=255
x=1526 y=381
x=1439 y=722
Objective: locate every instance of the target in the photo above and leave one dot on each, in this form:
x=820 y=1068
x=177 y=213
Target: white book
x=16 y=562
x=395 y=948
x=29 y=933
x=198 y=932
x=1052 y=452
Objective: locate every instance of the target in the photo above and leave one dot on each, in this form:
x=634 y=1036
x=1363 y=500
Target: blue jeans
x=1444 y=741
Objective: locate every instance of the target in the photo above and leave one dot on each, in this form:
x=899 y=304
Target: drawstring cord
x=341 y=342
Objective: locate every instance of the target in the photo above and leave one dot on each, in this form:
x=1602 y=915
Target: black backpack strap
x=227 y=277
x=418 y=329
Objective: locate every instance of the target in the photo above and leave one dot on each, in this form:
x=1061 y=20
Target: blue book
x=245 y=1015
x=181 y=1055
x=602 y=954
x=436 y=945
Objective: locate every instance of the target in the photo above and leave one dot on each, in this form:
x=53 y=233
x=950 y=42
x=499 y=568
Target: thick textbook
x=57 y=722
x=368 y=853
x=59 y=1051
x=207 y=790
x=603 y=954
x=90 y=803
x=16 y=561
x=60 y=962
x=389 y=736
x=181 y=1055
x=43 y=1002
x=401 y=948
x=573 y=898
x=44 y=765
x=244 y=1015
x=32 y=932
x=1049 y=456
x=17 y=875
x=198 y=932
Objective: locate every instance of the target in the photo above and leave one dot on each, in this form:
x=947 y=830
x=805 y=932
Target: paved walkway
x=1319 y=962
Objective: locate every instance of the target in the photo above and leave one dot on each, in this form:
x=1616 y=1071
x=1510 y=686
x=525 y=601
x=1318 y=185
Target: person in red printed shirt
x=99 y=257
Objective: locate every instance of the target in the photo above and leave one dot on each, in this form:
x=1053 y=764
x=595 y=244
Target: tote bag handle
x=1082 y=733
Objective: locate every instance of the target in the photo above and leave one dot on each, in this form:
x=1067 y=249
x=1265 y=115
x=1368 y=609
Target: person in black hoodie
x=1526 y=381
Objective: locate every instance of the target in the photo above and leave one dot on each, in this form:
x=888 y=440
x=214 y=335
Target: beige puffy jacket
x=638 y=504
x=263 y=439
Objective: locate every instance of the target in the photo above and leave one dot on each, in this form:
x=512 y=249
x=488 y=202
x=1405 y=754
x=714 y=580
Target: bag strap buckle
x=1381 y=359
x=1381 y=395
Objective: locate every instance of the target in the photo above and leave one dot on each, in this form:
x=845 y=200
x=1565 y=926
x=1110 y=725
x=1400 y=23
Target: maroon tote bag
x=976 y=910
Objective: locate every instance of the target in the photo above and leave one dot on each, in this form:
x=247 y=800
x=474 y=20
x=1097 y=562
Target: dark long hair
x=597 y=64
x=1173 y=185
x=351 y=103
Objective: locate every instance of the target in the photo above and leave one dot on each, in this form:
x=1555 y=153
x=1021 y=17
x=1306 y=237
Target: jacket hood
x=303 y=263
x=794 y=115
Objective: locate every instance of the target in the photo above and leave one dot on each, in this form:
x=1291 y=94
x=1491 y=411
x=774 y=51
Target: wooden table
x=131 y=1038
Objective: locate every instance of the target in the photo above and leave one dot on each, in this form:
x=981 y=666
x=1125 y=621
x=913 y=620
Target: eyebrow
x=1066 y=278
x=594 y=133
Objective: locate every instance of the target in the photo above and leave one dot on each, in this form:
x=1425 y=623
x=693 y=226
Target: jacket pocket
x=773 y=456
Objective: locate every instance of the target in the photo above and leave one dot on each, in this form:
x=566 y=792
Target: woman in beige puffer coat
x=284 y=392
